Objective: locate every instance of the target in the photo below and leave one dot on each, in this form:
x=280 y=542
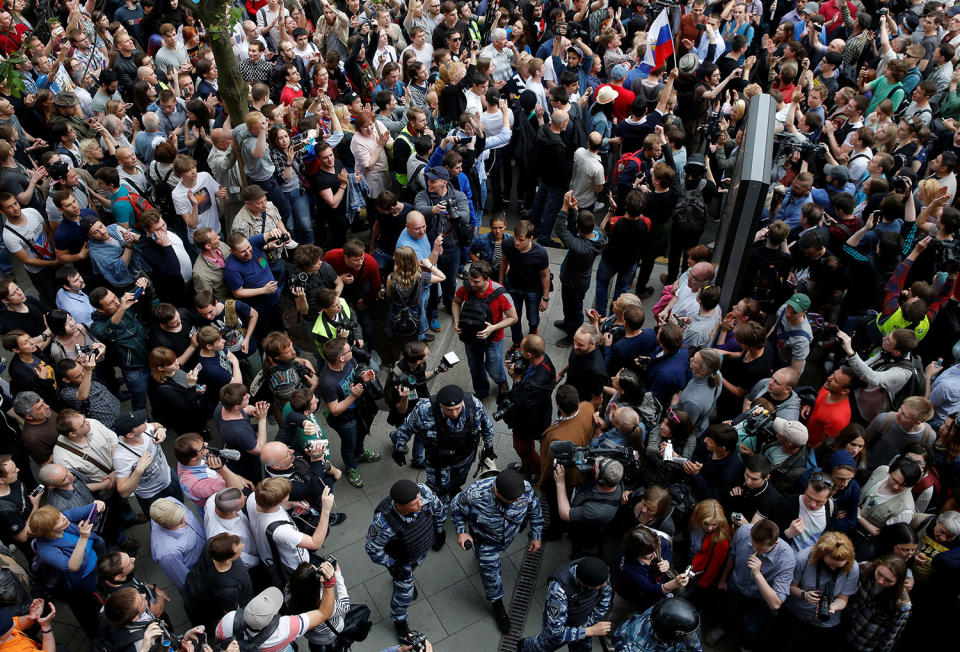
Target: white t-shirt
x=286 y=537
x=307 y=54
x=33 y=232
x=289 y=629
x=156 y=477
x=205 y=190
x=814 y=523
x=186 y=267
x=214 y=524
x=424 y=55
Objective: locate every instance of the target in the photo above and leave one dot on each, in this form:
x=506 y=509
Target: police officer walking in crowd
x=668 y=626
x=578 y=598
x=406 y=525
x=494 y=510
x=451 y=425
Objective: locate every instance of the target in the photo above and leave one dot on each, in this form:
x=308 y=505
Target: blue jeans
x=136 y=380
x=352 y=433
x=384 y=262
x=297 y=215
x=605 y=272
x=5 y=264
x=274 y=194
x=530 y=299
x=546 y=206
x=483 y=360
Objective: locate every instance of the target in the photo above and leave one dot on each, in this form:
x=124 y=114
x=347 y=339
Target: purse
x=356 y=627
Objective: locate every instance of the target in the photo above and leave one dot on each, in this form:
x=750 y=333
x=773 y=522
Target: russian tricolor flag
x=659 y=44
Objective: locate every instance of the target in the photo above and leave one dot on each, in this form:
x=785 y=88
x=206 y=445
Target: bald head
x=595 y=140
x=558 y=120
x=53 y=475
x=700 y=274
x=274 y=453
x=144 y=72
x=787 y=376
x=221 y=137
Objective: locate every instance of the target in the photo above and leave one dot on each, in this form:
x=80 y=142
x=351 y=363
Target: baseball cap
x=793 y=431
x=510 y=484
x=127 y=421
x=260 y=611
x=837 y=172
x=350 y=98
x=437 y=172
x=619 y=72
x=811 y=8
x=799 y=302
x=166 y=512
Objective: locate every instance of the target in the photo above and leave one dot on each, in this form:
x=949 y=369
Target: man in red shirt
x=292 y=88
x=483 y=341
x=830 y=10
x=11 y=36
x=689 y=34
x=361 y=282
x=831 y=412
x=625 y=97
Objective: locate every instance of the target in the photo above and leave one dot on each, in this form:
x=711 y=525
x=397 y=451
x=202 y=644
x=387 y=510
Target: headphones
x=600 y=467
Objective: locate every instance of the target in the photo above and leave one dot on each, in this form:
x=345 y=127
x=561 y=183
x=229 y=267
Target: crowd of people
x=209 y=299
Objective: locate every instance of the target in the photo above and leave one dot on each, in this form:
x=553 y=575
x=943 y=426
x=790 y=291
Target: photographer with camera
x=308 y=474
x=447 y=212
x=312 y=274
x=360 y=276
x=335 y=319
x=235 y=321
x=201 y=471
x=126 y=624
x=283 y=371
x=306 y=590
x=482 y=310
x=826 y=576
x=451 y=424
x=495 y=510
x=591 y=506
x=528 y=406
x=406 y=385
x=885 y=375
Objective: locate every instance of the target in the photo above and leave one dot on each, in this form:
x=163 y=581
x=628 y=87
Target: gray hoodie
x=577 y=265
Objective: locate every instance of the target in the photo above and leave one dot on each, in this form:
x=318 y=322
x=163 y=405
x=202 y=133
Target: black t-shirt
x=324 y=180
x=14 y=510
x=30 y=322
x=626 y=237
x=743 y=375
x=588 y=373
x=391 y=226
x=525 y=268
x=334 y=386
x=177 y=342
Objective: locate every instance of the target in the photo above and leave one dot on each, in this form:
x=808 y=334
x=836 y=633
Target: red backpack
x=622 y=163
x=139 y=204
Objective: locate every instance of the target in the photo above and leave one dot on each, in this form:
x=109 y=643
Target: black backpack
x=405 y=322
x=768 y=284
x=690 y=214
x=252 y=644
x=916 y=385
x=159 y=193
x=475 y=314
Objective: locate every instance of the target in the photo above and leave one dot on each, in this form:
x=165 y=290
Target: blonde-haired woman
x=406 y=287
x=710 y=538
x=825 y=577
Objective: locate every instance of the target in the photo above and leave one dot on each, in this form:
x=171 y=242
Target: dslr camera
x=416 y=640
x=86 y=349
x=58 y=170
x=283 y=239
x=298 y=280
x=519 y=362
x=503 y=410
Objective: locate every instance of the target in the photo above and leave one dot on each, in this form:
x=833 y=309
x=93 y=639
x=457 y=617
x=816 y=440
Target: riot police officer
x=668 y=626
x=406 y=525
x=578 y=596
x=494 y=510
x=451 y=425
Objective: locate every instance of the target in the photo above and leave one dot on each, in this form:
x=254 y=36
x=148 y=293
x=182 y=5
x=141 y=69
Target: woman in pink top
x=369 y=151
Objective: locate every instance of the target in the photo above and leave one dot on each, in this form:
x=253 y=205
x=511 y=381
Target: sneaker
x=565 y=342
x=501 y=616
x=130 y=545
x=560 y=324
x=665 y=279
x=503 y=389
x=141 y=518
x=519 y=468
x=462 y=273
x=337 y=518
x=647 y=293
x=368 y=456
x=418 y=464
x=429 y=337
x=435 y=325
x=403 y=629
x=514 y=348
x=353 y=477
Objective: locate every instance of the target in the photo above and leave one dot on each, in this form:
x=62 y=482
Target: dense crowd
x=210 y=300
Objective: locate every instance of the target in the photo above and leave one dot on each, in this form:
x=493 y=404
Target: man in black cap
x=447 y=212
x=406 y=525
x=578 y=596
x=139 y=461
x=450 y=425
x=495 y=510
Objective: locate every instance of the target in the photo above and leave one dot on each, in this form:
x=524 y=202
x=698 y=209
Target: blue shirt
x=78 y=305
x=791 y=208
x=669 y=375
x=776 y=566
x=56 y=553
x=254 y=273
x=176 y=551
x=380 y=532
x=421 y=246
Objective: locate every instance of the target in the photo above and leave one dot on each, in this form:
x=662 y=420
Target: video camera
x=759 y=423
x=225 y=454
x=568 y=454
x=787 y=144
x=711 y=129
x=373 y=387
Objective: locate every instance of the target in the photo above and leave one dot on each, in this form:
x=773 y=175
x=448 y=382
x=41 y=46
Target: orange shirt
x=19 y=642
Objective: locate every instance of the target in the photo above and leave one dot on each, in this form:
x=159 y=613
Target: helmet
x=673 y=619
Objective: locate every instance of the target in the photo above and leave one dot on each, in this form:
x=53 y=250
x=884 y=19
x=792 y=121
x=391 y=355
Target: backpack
x=160 y=193
x=406 y=314
x=277 y=571
x=138 y=202
x=916 y=385
x=768 y=284
x=690 y=214
x=235 y=332
x=252 y=644
x=622 y=163
x=475 y=314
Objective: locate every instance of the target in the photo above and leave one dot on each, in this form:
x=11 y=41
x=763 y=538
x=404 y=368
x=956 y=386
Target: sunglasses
x=673 y=416
x=819 y=477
